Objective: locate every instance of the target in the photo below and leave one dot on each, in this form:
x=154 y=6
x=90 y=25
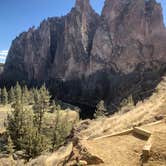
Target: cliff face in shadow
x=84 y=57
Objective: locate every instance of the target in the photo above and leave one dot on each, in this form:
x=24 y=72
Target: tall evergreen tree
x=42 y=100
x=25 y=136
x=60 y=130
x=45 y=97
x=25 y=95
x=4 y=96
x=15 y=123
x=32 y=142
x=101 y=111
x=56 y=135
x=18 y=92
x=11 y=95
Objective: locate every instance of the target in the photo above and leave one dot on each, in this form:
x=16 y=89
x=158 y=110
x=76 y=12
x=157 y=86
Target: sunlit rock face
x=91 y=55
x=131 y=34
x=59 y=48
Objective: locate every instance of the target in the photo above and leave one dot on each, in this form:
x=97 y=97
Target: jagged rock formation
x=85 y=57
x=131 y=35
x=59 y=48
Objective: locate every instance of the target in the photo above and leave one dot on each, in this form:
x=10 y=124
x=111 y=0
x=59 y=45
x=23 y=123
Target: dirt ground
x=117 y=151
x=126 y=150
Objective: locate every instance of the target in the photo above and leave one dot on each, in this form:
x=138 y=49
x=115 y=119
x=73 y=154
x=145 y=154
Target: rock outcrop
x=131 y=35
x=59 y=48
x=85 y=57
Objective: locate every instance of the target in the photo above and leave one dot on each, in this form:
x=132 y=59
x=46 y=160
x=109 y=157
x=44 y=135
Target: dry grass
x=126 y=150
x=143 y=113
x=70 y=115
x=3 y=115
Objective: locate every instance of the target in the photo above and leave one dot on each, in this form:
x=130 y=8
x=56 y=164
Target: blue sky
x=18 y=15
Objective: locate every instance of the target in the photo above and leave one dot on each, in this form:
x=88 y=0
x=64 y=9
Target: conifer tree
x=45 y=97
x=10 y=145
x=101 y=111
x=31 y=96
x=25 y=136
x=42 y=99
x=32 y=142
x=56 y=138
x=18 y=92
x=11 y=95
x=15 y=123
x=25 y=95
x=61 y=130
x=4 y=96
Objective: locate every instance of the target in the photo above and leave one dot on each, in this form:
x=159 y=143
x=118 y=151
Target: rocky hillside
x=122 y=139
x=84 y=57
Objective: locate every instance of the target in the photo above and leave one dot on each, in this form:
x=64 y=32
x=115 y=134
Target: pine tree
x=25 y=95
x=130 y=100
x=101 y=111
x=56 y=138
x=42 y=100
x=61 y=130
x=4 y=96
x=33 y=143
x=11 y=95
x=25 y=136
x=18 y=92
x=15 y=123
x=45 y=97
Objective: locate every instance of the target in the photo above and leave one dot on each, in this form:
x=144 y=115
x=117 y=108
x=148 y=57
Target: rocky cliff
x=85 y=57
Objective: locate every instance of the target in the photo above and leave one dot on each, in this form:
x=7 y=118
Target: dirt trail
x=126 y=150
x=117 y=151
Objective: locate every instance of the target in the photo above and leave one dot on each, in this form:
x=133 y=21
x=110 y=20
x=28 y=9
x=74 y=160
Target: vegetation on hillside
x=27 y=127
x=101 y=110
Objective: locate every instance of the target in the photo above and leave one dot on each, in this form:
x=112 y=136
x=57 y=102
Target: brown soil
x=117 y=151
